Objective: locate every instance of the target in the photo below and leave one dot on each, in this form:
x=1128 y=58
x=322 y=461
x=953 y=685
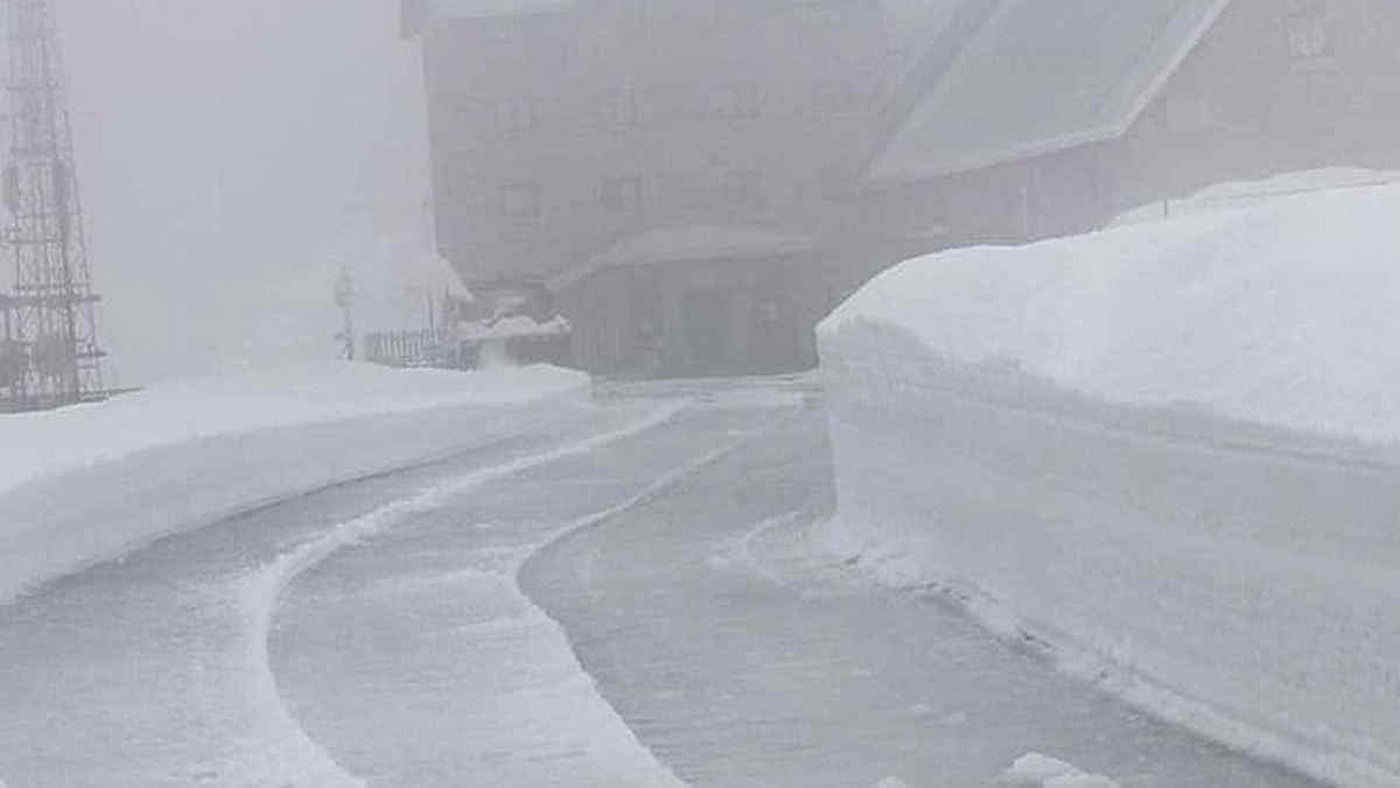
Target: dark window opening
x=1310 y=32
x=621 y=195
x=738 y=100
x=521 y=201
x=516 y=115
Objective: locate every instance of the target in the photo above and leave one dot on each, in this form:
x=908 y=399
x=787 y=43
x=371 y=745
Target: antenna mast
x=49 y=352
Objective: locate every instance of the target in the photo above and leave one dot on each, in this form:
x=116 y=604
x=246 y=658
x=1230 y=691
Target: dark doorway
x=708 y=319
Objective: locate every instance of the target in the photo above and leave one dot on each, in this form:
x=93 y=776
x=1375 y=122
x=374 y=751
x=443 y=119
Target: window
x=743 y=189
x=671 y=102
x=621 y=195
x=1310 y=33
x=640 y=12
x=825 y=13
x=738 y=100
x=464 y=189
x=620 y=108
x=520 y=201
x=516 y=115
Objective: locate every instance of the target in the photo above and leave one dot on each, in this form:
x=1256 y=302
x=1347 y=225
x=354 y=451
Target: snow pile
x=1046 y=772
x=38 y=444
x=1169 y=450
x=1244 y=194
x=1283 y=314
x=515 y=326
x=84 y=484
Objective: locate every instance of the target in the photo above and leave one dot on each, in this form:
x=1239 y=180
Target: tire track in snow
x=261 y=591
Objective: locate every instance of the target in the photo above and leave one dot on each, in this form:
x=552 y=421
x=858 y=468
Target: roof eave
x=879 y=174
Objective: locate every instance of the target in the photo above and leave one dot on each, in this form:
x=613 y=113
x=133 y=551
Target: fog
x=872 y=393
x=233 y=156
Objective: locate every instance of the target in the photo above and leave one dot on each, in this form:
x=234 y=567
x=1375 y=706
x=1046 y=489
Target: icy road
x=618 y=594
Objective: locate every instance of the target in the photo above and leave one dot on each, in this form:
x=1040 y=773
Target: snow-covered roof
x=678 y=244
x=1041 y=76
x=472 y=9
x=512 y=327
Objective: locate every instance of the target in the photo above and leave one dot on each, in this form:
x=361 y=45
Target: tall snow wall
x=1168 y=450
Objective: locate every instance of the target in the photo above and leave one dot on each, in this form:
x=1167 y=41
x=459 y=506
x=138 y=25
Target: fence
x=440 y=349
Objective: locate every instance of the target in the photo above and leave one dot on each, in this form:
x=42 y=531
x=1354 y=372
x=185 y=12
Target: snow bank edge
x=47 y=531
x=1060 y=516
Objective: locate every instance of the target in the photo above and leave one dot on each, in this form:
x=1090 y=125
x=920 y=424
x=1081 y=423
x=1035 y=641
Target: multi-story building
x=673 y=173
x=695 y=182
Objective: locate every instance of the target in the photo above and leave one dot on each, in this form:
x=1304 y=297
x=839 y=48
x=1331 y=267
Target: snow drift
x=85 y=484
x=1168 y=448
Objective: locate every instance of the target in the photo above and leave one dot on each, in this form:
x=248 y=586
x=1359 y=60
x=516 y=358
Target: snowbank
x=1243 y=194
x=1282 y=314
x=1170 y=449
x=38 y=444
x=84 y=484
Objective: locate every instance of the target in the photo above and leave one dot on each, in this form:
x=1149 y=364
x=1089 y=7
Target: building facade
x=694 y=183
x=1053 y=118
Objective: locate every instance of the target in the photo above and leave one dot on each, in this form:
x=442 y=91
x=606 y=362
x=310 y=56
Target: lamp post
x=345 y=299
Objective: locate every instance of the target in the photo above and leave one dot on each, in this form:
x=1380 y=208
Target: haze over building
x=694 y=184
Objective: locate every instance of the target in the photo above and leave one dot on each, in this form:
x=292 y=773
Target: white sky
x=233 y=154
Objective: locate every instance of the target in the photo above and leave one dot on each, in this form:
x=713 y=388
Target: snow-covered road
x=617 y=594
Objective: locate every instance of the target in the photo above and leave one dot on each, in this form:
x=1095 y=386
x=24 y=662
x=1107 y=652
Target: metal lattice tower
x=49 y=353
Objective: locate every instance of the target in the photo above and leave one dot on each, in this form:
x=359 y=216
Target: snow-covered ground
x=1169 y=448
x=386 y=631
x=170 y=683
x=177 y=454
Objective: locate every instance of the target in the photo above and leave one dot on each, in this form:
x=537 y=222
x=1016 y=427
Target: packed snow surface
x=1282 y=312
x=562 y=705
x=39 y=444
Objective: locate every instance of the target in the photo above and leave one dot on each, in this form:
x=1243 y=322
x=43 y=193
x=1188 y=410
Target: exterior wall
x=1277 y=85
x=714 y=317
x=554 y=136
